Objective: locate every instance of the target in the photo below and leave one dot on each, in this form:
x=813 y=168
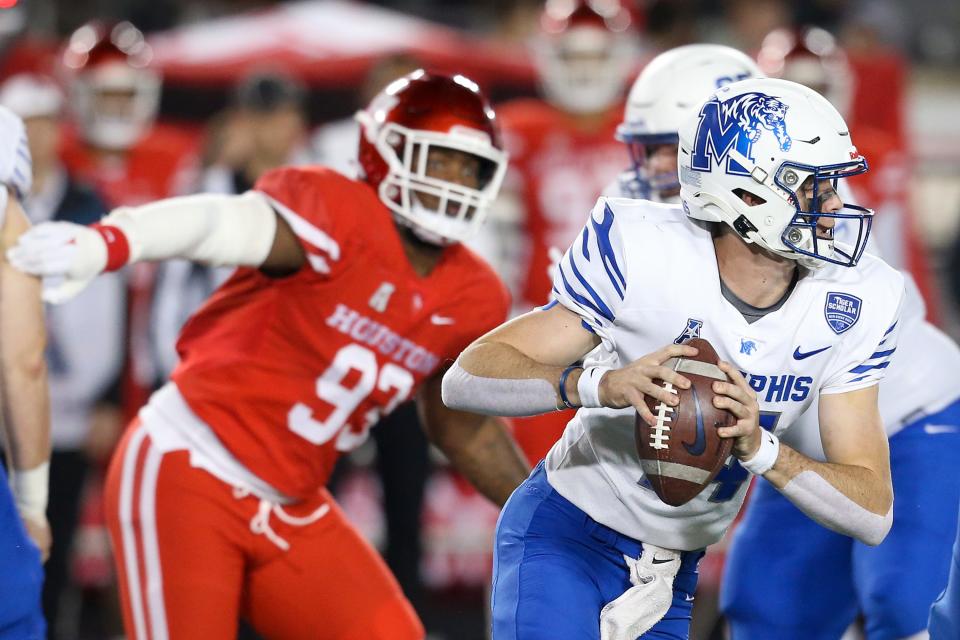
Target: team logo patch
x=692 y=331
x=737 y=123
x=842 y=311
x=747 y=346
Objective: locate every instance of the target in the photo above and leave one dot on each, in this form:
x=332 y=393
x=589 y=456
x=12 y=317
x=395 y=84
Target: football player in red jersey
x=351 y=296
x=562 y=153
x=117 y=147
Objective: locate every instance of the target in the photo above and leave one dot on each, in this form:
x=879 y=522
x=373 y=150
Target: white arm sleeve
x=215 y=229
x=463 y=391
x=826 y=504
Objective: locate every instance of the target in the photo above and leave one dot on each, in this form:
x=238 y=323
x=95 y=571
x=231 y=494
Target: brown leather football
x=683 y=453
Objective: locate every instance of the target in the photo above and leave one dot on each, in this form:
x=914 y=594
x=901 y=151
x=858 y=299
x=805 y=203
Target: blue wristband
x=563 y=386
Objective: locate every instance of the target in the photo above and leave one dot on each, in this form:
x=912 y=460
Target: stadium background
x=906 y=55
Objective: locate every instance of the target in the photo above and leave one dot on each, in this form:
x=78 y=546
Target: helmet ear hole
x=751 y=199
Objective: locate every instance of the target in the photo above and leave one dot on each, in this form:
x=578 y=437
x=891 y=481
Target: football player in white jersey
x=835 y=579
x=584 y=549
x=24 y=533
x=659 y=102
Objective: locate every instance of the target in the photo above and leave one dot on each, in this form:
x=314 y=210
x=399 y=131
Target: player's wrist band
x=30 y=490
x=118 y=246
x=588 y=386
x=562 y=387
x=765 y=457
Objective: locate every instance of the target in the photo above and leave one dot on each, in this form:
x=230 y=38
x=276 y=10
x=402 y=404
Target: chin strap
x=643 y=605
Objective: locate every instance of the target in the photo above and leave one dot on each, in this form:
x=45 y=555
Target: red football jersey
x=161 y=165
x=559 y=170
x=290 y=372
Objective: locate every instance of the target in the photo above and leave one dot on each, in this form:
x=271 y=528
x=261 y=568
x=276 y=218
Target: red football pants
x=190 y=562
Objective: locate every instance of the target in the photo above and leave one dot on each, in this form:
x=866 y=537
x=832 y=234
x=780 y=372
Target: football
x=683 y=453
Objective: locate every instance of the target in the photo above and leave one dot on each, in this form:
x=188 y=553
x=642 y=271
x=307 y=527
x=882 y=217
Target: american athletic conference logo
x=737 y=122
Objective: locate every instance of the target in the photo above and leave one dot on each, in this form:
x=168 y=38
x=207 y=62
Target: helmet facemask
x=440 y=209
x=642 y=180
x=585 y=69
x=805 y=233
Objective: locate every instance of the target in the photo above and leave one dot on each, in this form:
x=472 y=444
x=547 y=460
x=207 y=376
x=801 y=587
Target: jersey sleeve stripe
x=601 y=306
x=581 y=300
x=882 y=354
x=309 y=234
x=867 y=367
x=607 y=254
x=585 y=246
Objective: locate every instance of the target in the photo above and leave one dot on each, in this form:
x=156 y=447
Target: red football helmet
x=113 y=94
x=811 y=57
x=402 y=129
x=585 y=53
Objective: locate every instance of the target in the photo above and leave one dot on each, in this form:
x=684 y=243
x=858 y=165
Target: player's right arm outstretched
x=221 y=230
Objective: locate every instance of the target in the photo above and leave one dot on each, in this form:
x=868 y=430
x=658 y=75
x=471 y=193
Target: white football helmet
x=769 y=138
x=663 y=96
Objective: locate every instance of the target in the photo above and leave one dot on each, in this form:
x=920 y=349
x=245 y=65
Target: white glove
x=66 y=255
x=642 y=606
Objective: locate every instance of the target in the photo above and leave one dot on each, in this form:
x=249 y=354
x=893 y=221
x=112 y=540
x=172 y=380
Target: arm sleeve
x=864 y=362
x=591 y=278
x=300 y=197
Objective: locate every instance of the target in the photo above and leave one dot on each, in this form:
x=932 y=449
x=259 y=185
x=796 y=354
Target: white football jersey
x=15 y=166
x=643 y=275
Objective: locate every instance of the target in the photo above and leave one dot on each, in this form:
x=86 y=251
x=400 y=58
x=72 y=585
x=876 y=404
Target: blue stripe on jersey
x=24 y=152
x=887 y=332
x=867 y=367
x=600 y=308
x=584 y=247
x=882 y=354
x=607 y=254
x=858 y=379
x=550 y=305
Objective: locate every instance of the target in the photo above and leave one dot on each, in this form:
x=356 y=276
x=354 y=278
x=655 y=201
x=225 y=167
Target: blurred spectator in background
x=130 y=160
x=264 y=128
x=562 y=155
x=84 y=338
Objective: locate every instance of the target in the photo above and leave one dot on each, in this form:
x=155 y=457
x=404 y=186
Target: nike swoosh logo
x=656 y=561
x=438 y=319
x=934 y=429
x=798 y=355
x=700 y=444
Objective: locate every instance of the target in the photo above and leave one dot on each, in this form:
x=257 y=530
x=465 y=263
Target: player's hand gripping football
x=626 y=387
x=738 y=397
x=67 y=256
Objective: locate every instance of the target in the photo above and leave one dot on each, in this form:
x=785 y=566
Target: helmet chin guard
x=783 y=148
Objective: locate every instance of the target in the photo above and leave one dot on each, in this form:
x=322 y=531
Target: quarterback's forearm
x=494 y=378
x=515 y=369
x=222 y=230
x=850 y=499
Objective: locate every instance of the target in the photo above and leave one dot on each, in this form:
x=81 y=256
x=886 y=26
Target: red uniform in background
x=558 y=170
x=160 y=165
x=278 y=378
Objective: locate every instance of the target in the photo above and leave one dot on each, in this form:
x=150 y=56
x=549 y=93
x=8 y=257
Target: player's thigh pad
x=330 y=584
x=786 y=577
x=178 y=536
x=555 y=569
x=898 y=580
